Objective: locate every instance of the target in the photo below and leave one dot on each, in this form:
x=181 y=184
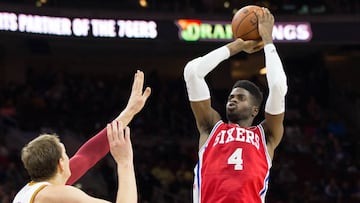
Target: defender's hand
x=138 y=97
x=120 y=143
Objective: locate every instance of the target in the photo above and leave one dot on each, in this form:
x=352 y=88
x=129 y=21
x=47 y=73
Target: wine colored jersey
x=29 y=191
x=233 y=166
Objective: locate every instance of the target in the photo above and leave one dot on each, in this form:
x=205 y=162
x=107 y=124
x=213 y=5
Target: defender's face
x=239 y=105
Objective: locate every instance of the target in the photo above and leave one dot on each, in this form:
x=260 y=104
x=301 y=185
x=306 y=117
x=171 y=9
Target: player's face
x=239 y=105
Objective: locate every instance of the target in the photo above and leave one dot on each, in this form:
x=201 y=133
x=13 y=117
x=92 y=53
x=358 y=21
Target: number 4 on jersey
x=236 y=158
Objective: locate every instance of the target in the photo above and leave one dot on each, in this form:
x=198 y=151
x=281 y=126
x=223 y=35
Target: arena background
x=73 y=85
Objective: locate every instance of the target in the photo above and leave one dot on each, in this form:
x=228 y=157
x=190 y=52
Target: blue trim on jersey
x=269 y=161
x=262 y=192
x=198 y=166
x=198 y=181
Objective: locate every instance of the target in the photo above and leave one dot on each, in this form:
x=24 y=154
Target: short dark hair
x=41 y=156
x=252 y=88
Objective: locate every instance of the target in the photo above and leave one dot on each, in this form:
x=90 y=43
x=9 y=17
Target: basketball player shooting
x=235 y=157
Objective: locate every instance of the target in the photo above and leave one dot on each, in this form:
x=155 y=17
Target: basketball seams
x=252 y=12
x=247 y=33
x=245 y=23
x=242 y=20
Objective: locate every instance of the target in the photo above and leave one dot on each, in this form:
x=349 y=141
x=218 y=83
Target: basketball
x=245 y=23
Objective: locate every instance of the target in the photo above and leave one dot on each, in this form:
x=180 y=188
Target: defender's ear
x=61 y=165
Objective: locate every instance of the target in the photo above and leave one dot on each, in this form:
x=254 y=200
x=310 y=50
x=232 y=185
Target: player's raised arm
x=198 y=91
x=98 y=146
x=276 y=78
x=121 y=150
x=137 y=99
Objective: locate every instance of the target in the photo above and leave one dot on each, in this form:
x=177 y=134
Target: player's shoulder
x=55 y=193
x=255 y=127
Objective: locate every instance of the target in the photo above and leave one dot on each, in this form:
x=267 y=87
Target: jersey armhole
x=36 y=192
x=268 y=158
x=211 y=134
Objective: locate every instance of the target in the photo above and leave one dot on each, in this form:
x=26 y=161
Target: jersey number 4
x=236 y=158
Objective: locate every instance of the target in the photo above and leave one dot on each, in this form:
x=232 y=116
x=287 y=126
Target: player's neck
x=58 y=179
x=243 y=123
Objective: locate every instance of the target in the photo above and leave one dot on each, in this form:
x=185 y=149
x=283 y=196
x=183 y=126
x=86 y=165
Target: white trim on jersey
x=265 y=147
x=197 y=172
x=267 y=177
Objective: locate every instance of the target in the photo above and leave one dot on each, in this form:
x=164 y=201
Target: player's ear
x=61 y=165
x=255 y=111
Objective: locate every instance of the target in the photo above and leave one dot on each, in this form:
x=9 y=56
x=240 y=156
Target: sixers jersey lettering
x=233 y=166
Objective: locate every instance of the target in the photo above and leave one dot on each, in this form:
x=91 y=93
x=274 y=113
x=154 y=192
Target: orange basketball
x=245 y=23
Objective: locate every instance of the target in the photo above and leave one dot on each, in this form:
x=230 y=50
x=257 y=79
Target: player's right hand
x=120 y=143
x=265 y=25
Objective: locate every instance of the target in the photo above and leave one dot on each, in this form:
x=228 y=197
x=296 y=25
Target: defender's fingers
x=134 y=82
x=120 y=130
x=147 y=92
x=139 y=80
x=109 y=132
x=115 y=130
x=127 y=134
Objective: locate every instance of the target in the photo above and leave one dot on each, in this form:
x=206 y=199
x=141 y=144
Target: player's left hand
x=138 y=97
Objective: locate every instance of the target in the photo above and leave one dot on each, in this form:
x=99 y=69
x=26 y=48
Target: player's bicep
x=274 y=130
x=205 y=116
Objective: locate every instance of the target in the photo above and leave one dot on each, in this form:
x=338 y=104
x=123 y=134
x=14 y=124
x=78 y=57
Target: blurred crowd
x=302 y=7
x=317 y=160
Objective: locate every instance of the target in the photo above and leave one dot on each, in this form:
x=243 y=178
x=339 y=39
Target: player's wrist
x=131 y=110
x=235 y=46
x=126 y=114
x=267 y=39
x=125 y=163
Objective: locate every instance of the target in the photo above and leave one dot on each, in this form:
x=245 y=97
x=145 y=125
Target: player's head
x=243 y=102
x=44 y=157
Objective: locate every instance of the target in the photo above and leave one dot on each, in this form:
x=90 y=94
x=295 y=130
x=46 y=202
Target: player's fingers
x=147 y=93
x=266 y=12
x=134 y=85
x=127 y=134
x=121 y=131
x=259 y=45
x=134 y=82
x=140 y=80
x=115 y=130
x=259 y=14
x=109 y=132
x=271 y=17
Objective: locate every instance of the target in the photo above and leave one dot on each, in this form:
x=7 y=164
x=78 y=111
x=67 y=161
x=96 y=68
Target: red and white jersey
x=29 y=191
x=233 y=166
